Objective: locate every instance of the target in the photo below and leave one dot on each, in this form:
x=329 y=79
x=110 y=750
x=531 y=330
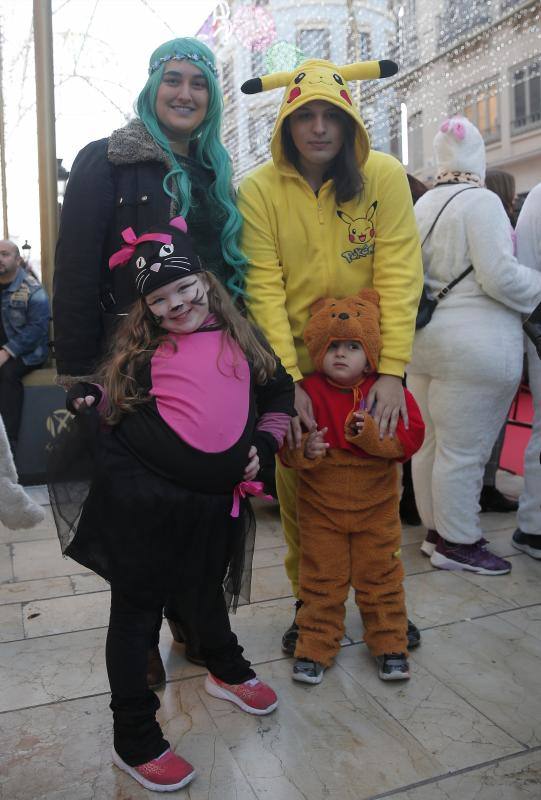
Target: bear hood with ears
x=316 y=79
x=354 y=318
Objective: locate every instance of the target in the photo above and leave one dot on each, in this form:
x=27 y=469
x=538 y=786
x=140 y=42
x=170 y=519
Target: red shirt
x=332 y=405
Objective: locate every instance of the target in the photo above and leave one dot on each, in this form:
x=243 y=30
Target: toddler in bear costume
x=348 y=495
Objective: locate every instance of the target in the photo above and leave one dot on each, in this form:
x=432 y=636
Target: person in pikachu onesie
x=326 y=217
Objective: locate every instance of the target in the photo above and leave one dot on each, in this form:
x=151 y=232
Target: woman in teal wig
x=167 y=161
x=192 y=149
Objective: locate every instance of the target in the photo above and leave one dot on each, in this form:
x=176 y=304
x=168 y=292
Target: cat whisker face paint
x=167 y=273
x=182 y=305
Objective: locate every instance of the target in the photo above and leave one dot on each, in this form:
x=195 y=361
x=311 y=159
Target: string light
x=254 y=27
x=282 y=57
x=471 y=52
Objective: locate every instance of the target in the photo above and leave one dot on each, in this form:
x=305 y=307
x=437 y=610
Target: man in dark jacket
x=24 y=324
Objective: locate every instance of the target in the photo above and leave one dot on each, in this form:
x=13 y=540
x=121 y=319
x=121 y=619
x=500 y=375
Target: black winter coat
x=115 y=183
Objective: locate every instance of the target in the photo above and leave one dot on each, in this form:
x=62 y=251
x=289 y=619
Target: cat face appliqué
x=177 y=266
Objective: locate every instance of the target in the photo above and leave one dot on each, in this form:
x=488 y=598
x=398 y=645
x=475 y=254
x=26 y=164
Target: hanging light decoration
x=254 y=27
x=282 y=57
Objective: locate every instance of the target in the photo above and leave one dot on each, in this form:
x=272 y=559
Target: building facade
x=480 y=58
x=339 y=30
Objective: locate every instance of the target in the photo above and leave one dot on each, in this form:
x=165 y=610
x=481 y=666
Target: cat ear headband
x=154 y=266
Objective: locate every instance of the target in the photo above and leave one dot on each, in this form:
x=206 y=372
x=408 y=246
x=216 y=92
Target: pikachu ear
x=320 y=304
x=370 y=296
x=275 y=80
x=368 y=70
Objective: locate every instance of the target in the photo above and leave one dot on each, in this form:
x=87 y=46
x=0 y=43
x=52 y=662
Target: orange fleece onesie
x=347 y=502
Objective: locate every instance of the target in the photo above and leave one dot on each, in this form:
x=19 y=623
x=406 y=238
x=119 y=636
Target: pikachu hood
x=302 y=245
x=319 y=80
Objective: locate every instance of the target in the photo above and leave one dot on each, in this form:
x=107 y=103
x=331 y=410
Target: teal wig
x=209 y=150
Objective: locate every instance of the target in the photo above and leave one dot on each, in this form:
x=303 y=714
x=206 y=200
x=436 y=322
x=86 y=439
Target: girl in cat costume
x=195 y=403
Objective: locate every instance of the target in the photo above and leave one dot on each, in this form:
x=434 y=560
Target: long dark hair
x=503 y=184
x=139 y=334
x=343 y=169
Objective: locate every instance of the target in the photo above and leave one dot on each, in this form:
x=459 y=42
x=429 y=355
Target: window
x=260 y=127
x=526 y=96
x=415 y=135
x=228 y=84
x=405 y=48
x=257 y=63
x=363 y=50
x=368 y=114
x=460 y=19
x=315 y=42
x=481 y=105
x=395 y=138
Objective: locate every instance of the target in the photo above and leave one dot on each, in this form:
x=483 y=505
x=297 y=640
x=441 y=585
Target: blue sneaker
x=393 y=667
x=529 y=543
x=307 y=671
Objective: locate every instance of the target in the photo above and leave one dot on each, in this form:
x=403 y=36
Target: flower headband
x=184 y=57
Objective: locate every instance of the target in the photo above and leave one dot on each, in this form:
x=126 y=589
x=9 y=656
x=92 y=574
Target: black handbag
x=532 y=328
x=427 y=304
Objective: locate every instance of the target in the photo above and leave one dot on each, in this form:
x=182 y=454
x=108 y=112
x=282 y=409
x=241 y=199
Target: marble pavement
x=467 y=726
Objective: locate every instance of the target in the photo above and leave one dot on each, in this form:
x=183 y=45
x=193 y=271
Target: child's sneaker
x=529 y=543
x=166 y=773
x=252 y=696
x=289 y=639
x=306 y=671
x=469 y=557
x=393 y=667
x=429 y=544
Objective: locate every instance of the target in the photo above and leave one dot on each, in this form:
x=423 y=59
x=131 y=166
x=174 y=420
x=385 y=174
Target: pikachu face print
x=361 y=232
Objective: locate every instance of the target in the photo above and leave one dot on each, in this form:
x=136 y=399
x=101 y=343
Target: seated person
x=24 y=326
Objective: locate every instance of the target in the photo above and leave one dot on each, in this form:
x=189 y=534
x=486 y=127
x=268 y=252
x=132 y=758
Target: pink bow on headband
x=123 y=255
x=456 y=128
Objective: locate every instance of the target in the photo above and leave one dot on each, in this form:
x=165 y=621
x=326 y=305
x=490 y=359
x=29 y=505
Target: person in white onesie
x=467 y=362
x=527 y=537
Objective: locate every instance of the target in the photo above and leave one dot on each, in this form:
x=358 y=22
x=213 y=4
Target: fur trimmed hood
x=133 y=144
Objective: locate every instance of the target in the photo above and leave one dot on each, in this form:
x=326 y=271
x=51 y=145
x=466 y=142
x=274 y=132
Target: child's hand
x=252 y=468
x=82 y=402
x=315 y=446
x=82 y=396
x=356 y=423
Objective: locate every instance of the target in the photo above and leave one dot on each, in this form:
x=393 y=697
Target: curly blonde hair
x=139 y=335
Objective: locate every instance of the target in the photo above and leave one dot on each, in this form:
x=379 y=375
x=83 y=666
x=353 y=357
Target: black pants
x=11 y=396
x=138 y=737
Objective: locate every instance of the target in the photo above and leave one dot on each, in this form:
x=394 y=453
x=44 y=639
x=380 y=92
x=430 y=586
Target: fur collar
x=133 y=144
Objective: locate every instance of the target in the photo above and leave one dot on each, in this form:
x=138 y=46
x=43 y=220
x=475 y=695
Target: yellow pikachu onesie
x=302 y=246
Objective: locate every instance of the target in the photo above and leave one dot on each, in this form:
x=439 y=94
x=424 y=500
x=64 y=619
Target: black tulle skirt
x=138 y=529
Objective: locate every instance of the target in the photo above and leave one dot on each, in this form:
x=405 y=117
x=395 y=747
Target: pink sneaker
x=252 y=696
x=166 y=773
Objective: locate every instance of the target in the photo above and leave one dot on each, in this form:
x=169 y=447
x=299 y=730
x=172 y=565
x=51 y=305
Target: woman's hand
x=252 y=468
x=303 y=407
x=386 y=401
x=315 y=445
